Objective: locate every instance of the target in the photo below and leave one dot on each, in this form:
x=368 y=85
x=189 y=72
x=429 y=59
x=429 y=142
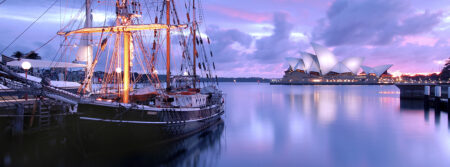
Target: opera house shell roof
x=324 y=61
x=327 y=60
x=378 y=70
x=311 y=62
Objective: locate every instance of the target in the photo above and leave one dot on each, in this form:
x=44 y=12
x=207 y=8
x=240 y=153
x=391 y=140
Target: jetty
x=434 y=94
x=32 y=105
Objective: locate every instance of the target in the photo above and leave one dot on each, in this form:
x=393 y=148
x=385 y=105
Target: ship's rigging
x=135 y=39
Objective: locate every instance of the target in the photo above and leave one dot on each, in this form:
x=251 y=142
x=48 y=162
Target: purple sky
x=253 y=37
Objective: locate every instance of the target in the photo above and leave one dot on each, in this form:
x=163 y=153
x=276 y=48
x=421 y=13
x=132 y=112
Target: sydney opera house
x=324 y=67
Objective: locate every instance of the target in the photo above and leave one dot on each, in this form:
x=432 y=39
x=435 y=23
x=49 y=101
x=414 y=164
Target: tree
x=33 y=55
x=18 y=54
x=445 y=73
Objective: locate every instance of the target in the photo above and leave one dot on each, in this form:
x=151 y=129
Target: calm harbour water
x=331 y=126
x=280 y=125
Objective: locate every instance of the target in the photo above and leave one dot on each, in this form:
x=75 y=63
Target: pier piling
x=437 y=97
x=448 y=99
x=18 y=120
x=427 y=96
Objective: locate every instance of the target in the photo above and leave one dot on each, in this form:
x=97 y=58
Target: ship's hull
x=106 y=125
x=74 y=144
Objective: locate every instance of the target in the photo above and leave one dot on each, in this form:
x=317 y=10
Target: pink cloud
x=244 y=15
x=419 y=40
x=322 y=4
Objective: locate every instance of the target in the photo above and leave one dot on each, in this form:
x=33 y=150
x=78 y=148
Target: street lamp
x=26 y=66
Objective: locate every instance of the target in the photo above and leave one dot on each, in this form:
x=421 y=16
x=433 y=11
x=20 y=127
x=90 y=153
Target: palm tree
x=33 y=55
x=18 y=55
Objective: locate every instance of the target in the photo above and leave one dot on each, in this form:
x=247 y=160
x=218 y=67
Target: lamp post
x=118 y=71
x=26 y=66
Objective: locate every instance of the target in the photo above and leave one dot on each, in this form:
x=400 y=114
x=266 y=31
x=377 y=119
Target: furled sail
x=84 y=52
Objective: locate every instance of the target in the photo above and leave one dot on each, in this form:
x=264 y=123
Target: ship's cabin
x=181 y=82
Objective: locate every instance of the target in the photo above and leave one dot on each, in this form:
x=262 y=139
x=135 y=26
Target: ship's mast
x=168 y=44
x=126 y=28
x=126 y=66
x=87 y=24
x=126 y=21
x=194 y=28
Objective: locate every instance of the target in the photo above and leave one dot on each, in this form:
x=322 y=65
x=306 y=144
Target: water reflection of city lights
x=389 y=92
x=327 y=108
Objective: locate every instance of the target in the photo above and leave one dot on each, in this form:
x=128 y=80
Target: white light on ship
x=118 y=70
x=155 y=72
x=185 y=73
x=26 y=65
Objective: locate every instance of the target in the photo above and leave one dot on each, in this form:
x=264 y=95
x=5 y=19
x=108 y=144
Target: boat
x=73 y=149
x=187 y=102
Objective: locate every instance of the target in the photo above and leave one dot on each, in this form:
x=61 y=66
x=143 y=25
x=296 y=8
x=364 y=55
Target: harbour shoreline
x=329 y=83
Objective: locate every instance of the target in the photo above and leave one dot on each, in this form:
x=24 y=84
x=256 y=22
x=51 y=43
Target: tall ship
x=132 y=93
x=134 y=41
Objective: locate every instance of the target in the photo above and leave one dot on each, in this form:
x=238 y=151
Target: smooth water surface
x=280 y=125
x=330 y=126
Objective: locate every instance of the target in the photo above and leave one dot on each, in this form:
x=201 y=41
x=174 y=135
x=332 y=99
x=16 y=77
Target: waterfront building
x=378 y=70
x=324 y=66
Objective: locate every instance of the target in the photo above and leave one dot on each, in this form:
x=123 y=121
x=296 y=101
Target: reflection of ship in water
x=72 y=145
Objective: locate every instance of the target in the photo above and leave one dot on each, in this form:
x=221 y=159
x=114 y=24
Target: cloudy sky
x=253 y=37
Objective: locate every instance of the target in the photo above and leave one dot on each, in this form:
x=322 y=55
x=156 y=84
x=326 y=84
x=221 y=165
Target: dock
x=434 y=95
x=28 y=106
x=417 y=90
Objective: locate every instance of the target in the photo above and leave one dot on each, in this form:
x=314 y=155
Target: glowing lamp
x=118 y=70
x=26 y=65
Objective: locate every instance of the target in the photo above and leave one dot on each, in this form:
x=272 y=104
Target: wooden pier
x=434 y=95
x=27 y=106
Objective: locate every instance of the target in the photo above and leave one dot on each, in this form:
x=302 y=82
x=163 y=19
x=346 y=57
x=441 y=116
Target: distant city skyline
x=253 y=37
